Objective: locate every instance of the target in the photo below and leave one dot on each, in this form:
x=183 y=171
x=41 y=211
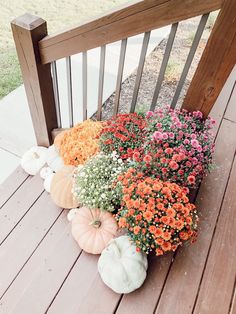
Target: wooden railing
x=38 y=52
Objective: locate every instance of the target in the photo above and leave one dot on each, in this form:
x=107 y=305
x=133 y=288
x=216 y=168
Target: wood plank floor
x=42 y=270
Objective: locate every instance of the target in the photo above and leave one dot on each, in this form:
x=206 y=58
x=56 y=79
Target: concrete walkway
x=16 y=129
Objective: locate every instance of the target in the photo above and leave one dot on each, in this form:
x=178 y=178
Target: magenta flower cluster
x=178 y=148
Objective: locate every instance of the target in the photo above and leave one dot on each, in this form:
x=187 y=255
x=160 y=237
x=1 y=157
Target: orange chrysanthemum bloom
x=80 y=143
x=157 y=215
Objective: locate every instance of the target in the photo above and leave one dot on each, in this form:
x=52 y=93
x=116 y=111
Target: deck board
x=11 y=184
x=189 y=261
x=46 y=281
x=42 y=269
x=222 y=257
x=19 y=204
x=30 y=232
x=35 y=262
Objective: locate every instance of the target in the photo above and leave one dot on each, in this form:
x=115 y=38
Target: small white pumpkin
x=45 y=172
x=121 y=267
x=34 y=159
x=48 y=181
x=53 y=158
x=72 y=213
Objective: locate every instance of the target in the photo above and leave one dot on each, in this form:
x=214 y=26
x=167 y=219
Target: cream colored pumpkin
x=61 y=188
x=93 y=229
x=48 y=181
x=121 y=267
x=72 y=213
x=45 y=172
x=59 y=137
x=53 y=159
x=34 y=159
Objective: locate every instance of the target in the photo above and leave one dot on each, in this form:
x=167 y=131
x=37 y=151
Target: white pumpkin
x=53 y=158
x=48 y=181
x=34 y=159
x=72 y=213
x=45 y=172
x=121 y=267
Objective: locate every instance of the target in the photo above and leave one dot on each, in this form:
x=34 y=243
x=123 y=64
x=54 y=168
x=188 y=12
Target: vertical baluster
x=140 y=70
x=190 y=57
x=164 y=63
x=85 y=80
x=120 y=74
x=101 y=81
x=56 y=93
x=69 y=91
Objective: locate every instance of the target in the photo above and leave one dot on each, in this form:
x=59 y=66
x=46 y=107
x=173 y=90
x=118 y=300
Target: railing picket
x=164 y=63
x=190 y=57
x=56 y=93
x=120 y=74
x=101 y=81
x=69 y=91
x=85 y=81
x=140 y=70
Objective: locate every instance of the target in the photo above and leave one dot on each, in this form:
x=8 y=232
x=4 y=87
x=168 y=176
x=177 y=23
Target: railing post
x=28 y=30
x=217 y=62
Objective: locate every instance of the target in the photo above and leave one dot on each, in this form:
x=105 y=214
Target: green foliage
x=10 y=74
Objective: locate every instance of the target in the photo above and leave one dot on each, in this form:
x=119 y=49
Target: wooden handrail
x=132 y=19
x=216 y=63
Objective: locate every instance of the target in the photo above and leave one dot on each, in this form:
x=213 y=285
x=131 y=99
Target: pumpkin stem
x=96 y=223
x=35 y=155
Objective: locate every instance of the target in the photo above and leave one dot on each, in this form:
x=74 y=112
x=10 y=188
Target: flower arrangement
x=157 y=215
x=123 y=134
x=80 y=142
x=178 y=148
x=93 y=185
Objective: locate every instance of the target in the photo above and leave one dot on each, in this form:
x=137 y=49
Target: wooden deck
x=43 y=270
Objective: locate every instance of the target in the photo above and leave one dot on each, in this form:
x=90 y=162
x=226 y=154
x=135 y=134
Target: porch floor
x=43 y=270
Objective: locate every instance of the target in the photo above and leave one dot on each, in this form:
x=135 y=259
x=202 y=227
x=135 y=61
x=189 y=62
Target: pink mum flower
x=194 y=143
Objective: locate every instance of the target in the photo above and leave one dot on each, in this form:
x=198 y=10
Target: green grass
x=59 y=14
x=10 y=75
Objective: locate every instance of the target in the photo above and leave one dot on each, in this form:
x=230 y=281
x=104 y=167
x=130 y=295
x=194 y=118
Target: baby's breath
x=94 y=184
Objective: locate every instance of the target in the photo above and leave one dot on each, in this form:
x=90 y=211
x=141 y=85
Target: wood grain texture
x=132 y=20
x=34 y=264
x=11 y=184
x=27 y=31
x=19 y=204
x=78 y=286
x=233 y=304
x=217 y=285
x=20 y=244
x=222 y=103
x=216 y=63
x=231 y=110
x=46 y=281
x=184 y=277
x=134 y=303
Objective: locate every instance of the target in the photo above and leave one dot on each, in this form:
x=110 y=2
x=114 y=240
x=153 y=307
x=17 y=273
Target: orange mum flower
x=166 y=235
x=152 y=229
x=159 y=252
x=148 y=215
x=158 y=232
x=179 y=224
x=171 y=212
x=136 y=229
x=80 y=143
x=122 y=222
x=166 y=246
